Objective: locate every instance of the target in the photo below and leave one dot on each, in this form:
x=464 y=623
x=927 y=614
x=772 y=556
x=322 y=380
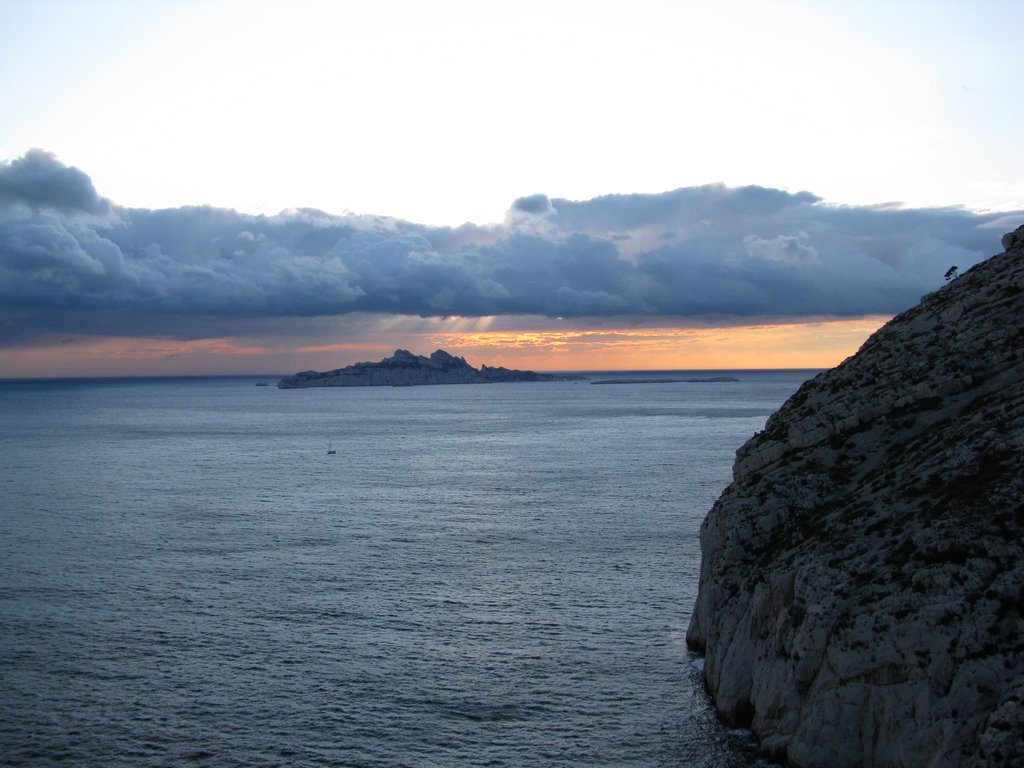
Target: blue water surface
x=481 y=575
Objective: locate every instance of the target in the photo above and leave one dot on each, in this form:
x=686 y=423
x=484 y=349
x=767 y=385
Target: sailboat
x=330 y=449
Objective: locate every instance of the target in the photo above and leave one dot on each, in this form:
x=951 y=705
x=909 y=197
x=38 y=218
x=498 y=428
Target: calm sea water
x=490 y=575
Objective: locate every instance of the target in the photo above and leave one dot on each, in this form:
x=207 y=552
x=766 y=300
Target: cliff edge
x=862 y=582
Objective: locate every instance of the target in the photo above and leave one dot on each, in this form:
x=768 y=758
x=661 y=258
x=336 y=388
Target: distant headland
x=404 y=369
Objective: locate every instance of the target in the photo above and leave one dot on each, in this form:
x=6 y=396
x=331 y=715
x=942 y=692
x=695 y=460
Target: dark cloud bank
x=72 y=262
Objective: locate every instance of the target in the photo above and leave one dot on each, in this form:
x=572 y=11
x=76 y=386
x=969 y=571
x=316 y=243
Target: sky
x=258 y=187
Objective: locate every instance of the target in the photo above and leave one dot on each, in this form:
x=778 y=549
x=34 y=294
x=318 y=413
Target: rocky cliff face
x=406 y=369
x=862 y=583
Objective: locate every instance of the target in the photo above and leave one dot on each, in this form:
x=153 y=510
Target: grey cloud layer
x=39 y=180
x=72 y=262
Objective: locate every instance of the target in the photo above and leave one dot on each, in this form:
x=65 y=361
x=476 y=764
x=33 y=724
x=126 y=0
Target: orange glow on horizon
x=800 y=345
x=103 y=356
x=821 y=344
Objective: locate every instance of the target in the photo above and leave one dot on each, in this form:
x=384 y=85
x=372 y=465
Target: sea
x=479 y=575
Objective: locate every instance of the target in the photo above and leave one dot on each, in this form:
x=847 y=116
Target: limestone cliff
x=862 y=583
x=406 y=369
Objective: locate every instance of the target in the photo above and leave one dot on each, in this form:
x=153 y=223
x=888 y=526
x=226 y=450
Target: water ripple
x=482 y=576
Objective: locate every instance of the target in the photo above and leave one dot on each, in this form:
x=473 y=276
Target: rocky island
x=862 y=582
x=405 y=369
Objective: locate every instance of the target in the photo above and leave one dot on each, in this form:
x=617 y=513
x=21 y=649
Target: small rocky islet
x=862 y=582
x=405 y=369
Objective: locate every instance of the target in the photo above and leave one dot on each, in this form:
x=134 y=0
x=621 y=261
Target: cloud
x=534 y=205
x=70 y=262
x=39 y=180
x=785 y=249
x=532 y=214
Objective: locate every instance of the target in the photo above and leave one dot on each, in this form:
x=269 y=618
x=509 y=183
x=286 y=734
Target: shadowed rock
x=1010 y=239
x=862 y=582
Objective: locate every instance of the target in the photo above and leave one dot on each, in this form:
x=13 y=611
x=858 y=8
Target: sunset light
x=804 y=346
x=807 y=345
x=526 y=383
x=559 y=186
